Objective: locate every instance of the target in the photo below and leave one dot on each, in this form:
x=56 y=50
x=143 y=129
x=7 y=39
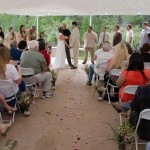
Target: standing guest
x=90 y=39
x=42 y=36
x=22 y=45
x=22 y=34
x=67 y=33
x=10 y=36
x=14 y=52
x=32 y=35
x=36 y=61
x=130 y=50
x=42 y=50
x=104 y=36
x=129 y=34
x=75 y=44
x=146 y=52
x=1 y=34
x=117 y=38
x=145 y=34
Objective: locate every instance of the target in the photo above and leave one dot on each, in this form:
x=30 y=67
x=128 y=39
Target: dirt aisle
x=71 y=120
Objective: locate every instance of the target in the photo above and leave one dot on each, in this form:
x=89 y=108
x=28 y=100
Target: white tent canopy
x=75 y=7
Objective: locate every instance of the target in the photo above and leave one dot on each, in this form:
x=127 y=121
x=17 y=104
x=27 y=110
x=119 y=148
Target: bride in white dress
x=60 y=53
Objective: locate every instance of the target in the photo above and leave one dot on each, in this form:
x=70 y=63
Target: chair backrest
x=147 y=65
x=6 y=88
x=130 y=89
x=145 y=114
x=28 y=76
x=115 y=72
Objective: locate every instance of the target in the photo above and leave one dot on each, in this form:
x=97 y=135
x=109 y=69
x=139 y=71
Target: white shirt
x=103 y=56
x=129 y=34
x=103 y=38
x=11 y=75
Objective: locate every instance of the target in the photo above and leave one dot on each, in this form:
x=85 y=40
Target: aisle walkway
x=71 y=120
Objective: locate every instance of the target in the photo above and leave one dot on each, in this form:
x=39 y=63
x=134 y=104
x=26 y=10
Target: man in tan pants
x=90 y=39
x=74 y=43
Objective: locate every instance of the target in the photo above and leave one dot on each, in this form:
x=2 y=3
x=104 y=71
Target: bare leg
x=5 y=105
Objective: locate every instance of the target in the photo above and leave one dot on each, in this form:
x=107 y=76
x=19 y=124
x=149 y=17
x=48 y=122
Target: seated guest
x=135 y=74
x=22 y=45
x=146 y=52
x=141 y=101
x=120 y=55
x=14 y=52
x=9 y=71
x=42 y=49
x=101 y=55
x=36 y=61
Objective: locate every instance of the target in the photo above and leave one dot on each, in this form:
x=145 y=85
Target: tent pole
x=90 y=20
x=37 y=24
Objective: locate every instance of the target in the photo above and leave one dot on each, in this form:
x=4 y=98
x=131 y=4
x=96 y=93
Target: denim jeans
x=148 y=146
x=91 y=72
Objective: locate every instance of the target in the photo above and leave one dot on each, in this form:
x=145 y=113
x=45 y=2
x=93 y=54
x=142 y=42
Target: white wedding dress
x=60 y=54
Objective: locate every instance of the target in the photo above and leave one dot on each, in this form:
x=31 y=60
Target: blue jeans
x=91 y=72
x=148 y=146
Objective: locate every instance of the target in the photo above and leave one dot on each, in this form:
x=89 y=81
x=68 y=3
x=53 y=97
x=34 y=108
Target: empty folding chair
x=130 y=89
x=6 y=88
x=115 y=73
x=145 y=114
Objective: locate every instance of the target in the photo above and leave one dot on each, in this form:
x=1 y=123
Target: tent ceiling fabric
x=75 y=7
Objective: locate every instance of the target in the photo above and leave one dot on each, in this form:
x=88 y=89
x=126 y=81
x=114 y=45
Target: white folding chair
x=145 y=114
x=29 y=78
x=114 y=73
x=130 y=89
x=6 y=88
x=147 y=65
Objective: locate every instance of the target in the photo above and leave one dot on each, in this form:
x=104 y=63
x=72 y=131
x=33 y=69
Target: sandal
x=12 y=110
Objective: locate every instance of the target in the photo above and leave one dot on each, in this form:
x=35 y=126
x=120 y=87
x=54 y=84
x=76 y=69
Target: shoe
x=72 y=67
x=84 y=62
x=89 y=83
x=12 y=110
x=46 y=95
x=4 y=128
x=100 y=98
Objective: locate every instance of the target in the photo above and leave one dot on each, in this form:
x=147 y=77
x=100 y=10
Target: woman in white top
x=9 y=37
x=9 y=72
x=60 y=53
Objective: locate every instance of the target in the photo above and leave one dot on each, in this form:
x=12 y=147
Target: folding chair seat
x=130 y=89
x=115 y=73
x=6 y=88
x=29 y=79
x=145 y=114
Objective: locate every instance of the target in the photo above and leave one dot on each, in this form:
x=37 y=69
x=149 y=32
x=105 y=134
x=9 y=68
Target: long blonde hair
x=4 y=59
x=121 y=54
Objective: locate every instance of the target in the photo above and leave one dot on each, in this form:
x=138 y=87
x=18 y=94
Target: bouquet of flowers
x=54 y=76
x=24 y=101
x=86 y=69
x=123 y=135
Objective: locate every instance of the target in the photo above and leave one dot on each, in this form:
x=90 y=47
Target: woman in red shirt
x=134 y=74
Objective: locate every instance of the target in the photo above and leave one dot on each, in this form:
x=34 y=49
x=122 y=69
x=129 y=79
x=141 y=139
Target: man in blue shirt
x=14 y=52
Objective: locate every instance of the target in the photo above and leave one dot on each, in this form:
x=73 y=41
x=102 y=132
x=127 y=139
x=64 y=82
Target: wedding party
x=75 y=76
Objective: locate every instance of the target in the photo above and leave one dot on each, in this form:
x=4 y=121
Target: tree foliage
x=49 y=24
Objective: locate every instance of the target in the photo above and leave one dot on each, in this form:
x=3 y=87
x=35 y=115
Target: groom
x=67 y=33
